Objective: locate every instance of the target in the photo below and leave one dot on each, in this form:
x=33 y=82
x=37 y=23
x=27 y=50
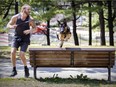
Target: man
x=21 y=23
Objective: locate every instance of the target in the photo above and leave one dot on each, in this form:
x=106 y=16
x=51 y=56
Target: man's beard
x=27 y=13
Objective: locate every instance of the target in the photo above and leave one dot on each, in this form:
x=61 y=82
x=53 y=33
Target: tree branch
x=106 y=19
x=78 y=17
x=8 y=10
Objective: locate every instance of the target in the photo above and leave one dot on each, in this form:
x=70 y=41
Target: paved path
x=97 y=73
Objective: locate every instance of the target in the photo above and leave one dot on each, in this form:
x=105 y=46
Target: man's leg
x=23 y=58
x=13 y=60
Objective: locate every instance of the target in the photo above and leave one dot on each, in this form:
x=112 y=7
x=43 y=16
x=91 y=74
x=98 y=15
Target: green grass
x=55 y=82
x=5 y=48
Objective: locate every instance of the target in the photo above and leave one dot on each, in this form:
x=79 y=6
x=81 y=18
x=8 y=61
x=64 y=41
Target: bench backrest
x=72 y=57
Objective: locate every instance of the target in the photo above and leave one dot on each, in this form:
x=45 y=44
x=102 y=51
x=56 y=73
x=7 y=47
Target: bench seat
x=73 y=57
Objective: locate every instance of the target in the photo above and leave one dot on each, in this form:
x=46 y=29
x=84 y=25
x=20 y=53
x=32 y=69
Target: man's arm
x=12 y=23
x=33 y=26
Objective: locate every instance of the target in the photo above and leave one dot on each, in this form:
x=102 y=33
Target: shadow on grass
x=80 y=79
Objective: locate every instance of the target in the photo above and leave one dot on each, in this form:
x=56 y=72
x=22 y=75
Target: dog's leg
x=67 y=37
x=57 y=36
x=61 y=44
x=61 y=38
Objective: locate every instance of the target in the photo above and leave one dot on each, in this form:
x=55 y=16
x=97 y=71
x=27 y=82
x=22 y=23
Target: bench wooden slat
x=52 y=56
x=91 y=65
x=67 y=65
x=53 y=63
x=67 y=59
x=38 y=59
x=52 y=51
x=95 y=62
x=93 y=54
x=74 y=49
x=92 y=49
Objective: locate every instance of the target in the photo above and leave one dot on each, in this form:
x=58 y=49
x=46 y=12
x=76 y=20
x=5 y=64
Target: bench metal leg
x=35 y=72
x=109 y=68
x=109 y=74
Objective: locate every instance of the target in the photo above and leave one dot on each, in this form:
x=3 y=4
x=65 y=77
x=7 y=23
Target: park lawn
x=53 y=82
x=50 y=82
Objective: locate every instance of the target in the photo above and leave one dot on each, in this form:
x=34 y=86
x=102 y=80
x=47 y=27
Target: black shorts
x=23 y=45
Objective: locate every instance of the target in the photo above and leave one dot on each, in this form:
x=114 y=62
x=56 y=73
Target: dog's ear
x=65 y=21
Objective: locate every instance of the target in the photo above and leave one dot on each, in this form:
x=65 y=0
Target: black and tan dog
x=64 y=33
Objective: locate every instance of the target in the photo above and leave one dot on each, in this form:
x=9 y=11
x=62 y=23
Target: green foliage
x=81 y=79
x=4 y=5
x=95 y=20
x=62 y=82
x=48 y=14
x=44 y=10
x=3 y=24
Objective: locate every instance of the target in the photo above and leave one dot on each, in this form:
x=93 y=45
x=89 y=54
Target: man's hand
x=27 y=32
x=14 y=26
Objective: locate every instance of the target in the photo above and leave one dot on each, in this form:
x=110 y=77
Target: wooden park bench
x=73 y=57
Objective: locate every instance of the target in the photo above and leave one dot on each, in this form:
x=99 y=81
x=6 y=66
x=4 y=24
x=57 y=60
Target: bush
x=3 y=30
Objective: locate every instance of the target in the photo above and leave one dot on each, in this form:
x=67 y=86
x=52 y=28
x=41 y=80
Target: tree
x=16 y=7
x=90 y=25
x=102 y=24
x=76 y=41
x=110 y=23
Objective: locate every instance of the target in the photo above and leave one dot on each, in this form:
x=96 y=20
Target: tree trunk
x=16 y=7
x=102 y=24
x=90 y=26
x=48 y=32
x=48 y=29
x=76 y=41
x=110 y=24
